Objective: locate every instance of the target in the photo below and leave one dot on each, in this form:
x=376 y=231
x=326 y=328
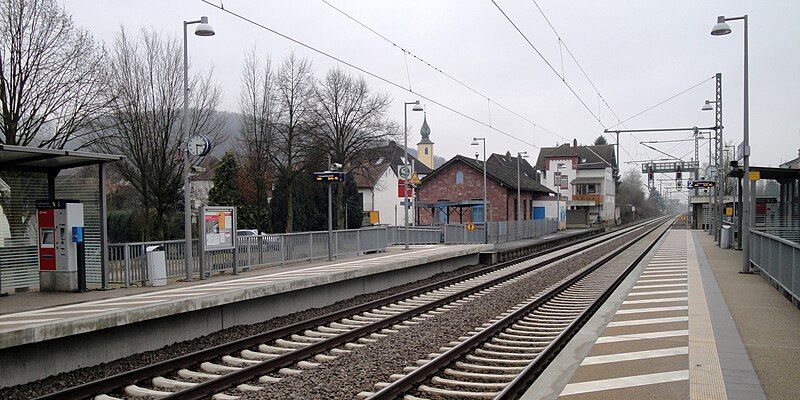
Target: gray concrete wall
x=34 y=361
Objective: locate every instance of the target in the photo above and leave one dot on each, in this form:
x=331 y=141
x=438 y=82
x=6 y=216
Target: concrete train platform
x=113 y=324
x=665 y=333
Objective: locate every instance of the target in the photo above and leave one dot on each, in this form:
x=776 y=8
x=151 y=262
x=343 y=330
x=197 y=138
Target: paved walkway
x=767 y=322
x=667 y=333
x=37 y=323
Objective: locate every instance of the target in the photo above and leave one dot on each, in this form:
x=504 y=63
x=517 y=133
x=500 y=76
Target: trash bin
x=156 y=266
x=725 y=237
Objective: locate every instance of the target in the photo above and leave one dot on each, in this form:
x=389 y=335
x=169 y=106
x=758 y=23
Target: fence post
x=281 y=247
x=143 y=263
x=336 y=244
x=358 y=240
x=311 y=245
x=127 y=258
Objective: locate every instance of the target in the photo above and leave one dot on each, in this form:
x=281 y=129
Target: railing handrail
x=776 y=238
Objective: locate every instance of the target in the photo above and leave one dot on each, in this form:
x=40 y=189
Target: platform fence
x=127 y=262
x=778 y=259
x=416 y=235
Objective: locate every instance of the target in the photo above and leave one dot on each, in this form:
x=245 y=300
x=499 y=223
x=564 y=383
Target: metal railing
x=506 y=231
x=127 y=262
x=459 y=234
x=779 y=260
x=416 y=235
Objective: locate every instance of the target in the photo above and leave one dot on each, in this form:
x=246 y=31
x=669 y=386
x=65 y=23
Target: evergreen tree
x=600 y=140
x=226 y=191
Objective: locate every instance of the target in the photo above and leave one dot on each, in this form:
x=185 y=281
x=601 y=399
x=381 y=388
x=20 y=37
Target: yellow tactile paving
x=705 y=373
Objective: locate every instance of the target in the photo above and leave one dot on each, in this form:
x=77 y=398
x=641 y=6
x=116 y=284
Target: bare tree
x=146 y=77
x=350 y=122
x=51 y=75
x=259 y=113
x=277 y=111
x=296 y=99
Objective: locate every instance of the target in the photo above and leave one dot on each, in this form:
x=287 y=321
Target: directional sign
x=329 y=176
x=700 y=184
x=404 y=172
x=754 y=175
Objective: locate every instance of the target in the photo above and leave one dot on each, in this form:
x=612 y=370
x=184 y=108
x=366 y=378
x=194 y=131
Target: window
x=477 y=214
x=426 y=151
x=459 y=177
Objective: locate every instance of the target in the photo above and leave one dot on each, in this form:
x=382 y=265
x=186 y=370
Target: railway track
x=502 y=358
x=250 y=363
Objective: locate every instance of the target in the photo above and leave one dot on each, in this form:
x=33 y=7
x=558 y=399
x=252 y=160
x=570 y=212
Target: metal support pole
x=485 y=209
x=748 y=196
x=696 y=174
x=103 y=228
x=405 y=181
x=330 y=216
x=720 y=191
x=187 y=209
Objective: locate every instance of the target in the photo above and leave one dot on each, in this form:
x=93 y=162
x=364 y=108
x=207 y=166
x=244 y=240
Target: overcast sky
x=637 y=53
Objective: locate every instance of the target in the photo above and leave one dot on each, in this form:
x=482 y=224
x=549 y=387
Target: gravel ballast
x=359 y=370
x=83 y=375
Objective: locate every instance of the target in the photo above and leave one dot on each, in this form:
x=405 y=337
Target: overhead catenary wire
x=439 y=70
x=552 y=68
x=367 y=72
x=661 y=102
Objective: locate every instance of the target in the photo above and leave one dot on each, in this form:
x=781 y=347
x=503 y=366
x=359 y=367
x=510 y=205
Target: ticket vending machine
x=60 y=245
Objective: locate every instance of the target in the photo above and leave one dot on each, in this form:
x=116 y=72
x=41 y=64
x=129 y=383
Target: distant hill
x=232 y=127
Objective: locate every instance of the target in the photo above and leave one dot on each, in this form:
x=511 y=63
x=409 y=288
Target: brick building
x=453 y=193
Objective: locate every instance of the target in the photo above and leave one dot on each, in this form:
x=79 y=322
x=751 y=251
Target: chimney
x=574 y=142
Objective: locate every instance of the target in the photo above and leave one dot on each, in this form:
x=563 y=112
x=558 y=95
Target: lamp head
x=417 y=107
x=203 y=28
x=707 y=106
x=721 y=28
x=475 y=143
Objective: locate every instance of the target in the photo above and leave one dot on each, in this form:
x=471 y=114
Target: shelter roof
x=770 y=173
x=21 y=158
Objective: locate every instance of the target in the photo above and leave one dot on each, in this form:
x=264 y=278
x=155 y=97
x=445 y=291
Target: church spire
x=425 y=131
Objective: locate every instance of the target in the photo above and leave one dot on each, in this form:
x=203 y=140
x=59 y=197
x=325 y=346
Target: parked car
x=247 y=232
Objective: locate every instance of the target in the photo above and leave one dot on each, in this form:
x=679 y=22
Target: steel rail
x=424 y=372
x=118 y=381
x=224 y=382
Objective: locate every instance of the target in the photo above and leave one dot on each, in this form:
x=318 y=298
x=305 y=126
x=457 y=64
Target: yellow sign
x=414 y=180
x=470 y=226
x=221 y=216
x=754 y=175
x=683 y=218
x=374 y=218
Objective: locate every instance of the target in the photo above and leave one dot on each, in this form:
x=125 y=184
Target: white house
x=377 y=182
x=588 y=178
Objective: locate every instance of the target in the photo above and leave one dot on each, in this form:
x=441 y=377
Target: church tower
x=425 y=146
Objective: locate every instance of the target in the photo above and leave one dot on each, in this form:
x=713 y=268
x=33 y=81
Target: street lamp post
x=203 y=29
x=559 y=167
x=722 y=28
x=417 y=107
x=485 y=209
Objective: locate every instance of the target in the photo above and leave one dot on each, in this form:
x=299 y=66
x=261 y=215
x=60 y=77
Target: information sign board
x=217 y=227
